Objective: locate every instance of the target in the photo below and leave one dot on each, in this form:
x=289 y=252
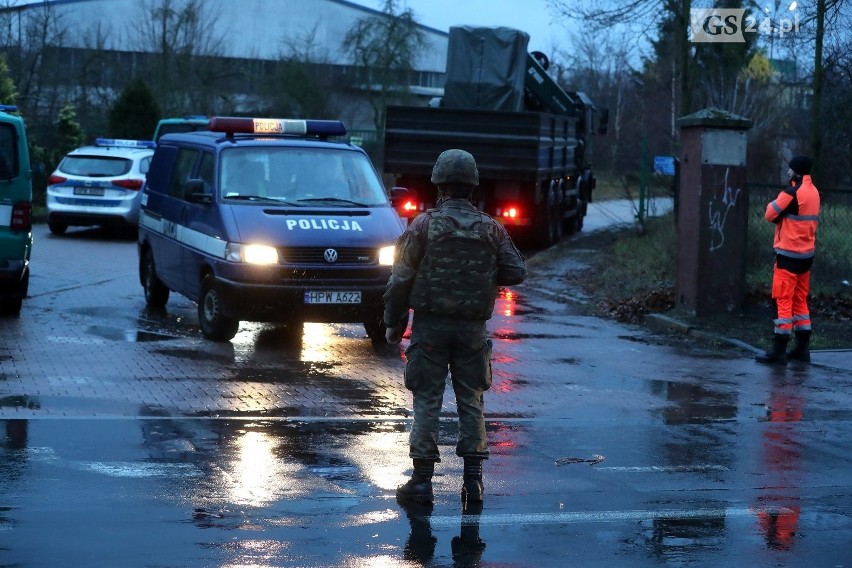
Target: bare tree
x=7 y=86
x=299 y=84
x=180 y=31
x=646 y=17
x=599 y=64
x=385 y=48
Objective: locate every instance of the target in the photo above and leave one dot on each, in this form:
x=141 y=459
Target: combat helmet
x=455 y=166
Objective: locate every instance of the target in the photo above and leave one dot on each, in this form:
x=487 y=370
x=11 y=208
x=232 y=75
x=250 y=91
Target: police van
x=267 y=220
x=16 y=195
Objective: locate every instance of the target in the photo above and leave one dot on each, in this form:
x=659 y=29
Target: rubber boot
x=778 y=354
x=419 y=487
x=800 y=351
x=472 y=489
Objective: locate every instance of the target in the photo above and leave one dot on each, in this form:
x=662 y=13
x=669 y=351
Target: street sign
x=664 y=165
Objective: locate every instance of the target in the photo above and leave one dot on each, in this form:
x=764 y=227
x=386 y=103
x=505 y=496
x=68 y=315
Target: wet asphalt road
x=131 y=441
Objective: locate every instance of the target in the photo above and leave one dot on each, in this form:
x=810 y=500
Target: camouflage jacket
x=411 y=249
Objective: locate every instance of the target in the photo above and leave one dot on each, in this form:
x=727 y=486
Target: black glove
x=793 y=186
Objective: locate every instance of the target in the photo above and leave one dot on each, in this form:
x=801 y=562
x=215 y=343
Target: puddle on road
x=515 y=336
x=129 y=335
x=690 y=403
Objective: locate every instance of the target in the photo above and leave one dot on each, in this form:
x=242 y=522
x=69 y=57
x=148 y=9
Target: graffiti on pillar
x=718 y=210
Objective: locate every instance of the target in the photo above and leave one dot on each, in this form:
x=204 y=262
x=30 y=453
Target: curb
x=665 y=324
x=837 y=359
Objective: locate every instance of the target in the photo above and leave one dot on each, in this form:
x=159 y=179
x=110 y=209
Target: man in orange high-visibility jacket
x=795 y=213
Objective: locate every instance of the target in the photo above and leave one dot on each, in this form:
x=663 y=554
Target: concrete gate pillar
x=712 y=215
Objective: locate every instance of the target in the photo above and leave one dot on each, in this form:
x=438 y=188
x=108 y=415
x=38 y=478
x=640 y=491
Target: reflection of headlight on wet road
x=256 y=476
x=317 y=342
x=381 y=456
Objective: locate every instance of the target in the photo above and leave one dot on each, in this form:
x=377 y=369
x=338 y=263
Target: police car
x=99 y=185
x=267 y=220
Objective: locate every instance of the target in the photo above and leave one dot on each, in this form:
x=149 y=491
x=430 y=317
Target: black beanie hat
x=801 y=165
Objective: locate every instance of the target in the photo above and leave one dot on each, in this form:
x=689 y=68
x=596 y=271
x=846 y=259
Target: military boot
x=419 y=487
x=472 y=481
x=778 y=354
x=800 y=351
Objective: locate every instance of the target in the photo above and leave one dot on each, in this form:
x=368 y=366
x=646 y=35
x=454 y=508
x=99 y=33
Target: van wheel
x=57 y=228
x=11 y=305
x=156 y=293
x=214 y=324
x=375 y=330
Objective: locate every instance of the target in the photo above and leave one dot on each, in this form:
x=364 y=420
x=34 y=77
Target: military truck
x=531 y=139
x=16 y=196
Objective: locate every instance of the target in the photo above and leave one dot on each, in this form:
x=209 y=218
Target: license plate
x=332 y=297
x=95 y=191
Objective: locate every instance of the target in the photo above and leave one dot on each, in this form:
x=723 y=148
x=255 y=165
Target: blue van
x=267 y=220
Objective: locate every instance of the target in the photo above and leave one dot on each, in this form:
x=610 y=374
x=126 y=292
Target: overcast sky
x=531 y=16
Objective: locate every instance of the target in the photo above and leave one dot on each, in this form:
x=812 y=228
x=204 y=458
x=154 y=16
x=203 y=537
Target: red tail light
x=54 y=179
x=22 y=216
x=131 y=184
x=510 y=213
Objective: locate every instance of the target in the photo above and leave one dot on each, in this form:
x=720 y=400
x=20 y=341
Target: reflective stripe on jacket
x=795 y=212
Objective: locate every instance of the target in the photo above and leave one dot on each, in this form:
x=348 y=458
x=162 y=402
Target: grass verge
x=630 y=275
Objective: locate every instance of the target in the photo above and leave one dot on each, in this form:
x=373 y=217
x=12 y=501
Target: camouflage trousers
x=439 y=345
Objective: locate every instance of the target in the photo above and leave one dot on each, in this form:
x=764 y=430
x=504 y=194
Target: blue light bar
x=8 y=108
x=119 y=142
x=298 y=127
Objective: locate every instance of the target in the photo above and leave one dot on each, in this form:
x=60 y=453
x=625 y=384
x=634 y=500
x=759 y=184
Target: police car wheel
x=156 y=293
x=214 y=324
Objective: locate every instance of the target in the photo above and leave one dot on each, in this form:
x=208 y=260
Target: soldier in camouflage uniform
x=449 y=263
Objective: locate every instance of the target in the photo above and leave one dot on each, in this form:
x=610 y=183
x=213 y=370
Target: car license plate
x=96 y=191
x=332 y=297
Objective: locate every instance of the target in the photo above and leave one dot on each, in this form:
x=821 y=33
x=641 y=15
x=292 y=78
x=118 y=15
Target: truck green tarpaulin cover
x=486 y=68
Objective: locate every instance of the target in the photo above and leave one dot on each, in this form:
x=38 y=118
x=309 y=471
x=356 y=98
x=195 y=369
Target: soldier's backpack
x=457 y=276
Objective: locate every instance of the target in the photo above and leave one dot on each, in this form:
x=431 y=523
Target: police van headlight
x=251 y=254
x=386 y=255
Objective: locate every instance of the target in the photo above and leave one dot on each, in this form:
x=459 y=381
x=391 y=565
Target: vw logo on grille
x=330 y=255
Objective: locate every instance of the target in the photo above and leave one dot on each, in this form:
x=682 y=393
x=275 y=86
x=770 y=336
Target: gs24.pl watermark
x=728 y=25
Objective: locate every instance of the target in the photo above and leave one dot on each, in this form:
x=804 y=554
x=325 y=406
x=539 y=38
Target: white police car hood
x=307 y=227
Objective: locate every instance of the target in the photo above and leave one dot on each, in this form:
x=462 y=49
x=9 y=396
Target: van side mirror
x=398 y=195
x=194 y=191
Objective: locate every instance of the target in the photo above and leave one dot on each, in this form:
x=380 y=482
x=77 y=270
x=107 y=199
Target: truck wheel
x=156 y=293
x=214 y=324
x=544 y=229
x=571 y=222
x=558 y=224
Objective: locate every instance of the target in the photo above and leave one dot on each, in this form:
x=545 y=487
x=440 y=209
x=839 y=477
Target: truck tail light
x=409 y=208
x=510 y=213
x=22 y=216
x=131 y=184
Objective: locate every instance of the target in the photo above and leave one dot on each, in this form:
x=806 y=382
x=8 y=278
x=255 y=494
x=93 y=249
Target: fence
x=833 y=264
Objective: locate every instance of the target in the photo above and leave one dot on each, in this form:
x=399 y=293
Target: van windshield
x=302 y=176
